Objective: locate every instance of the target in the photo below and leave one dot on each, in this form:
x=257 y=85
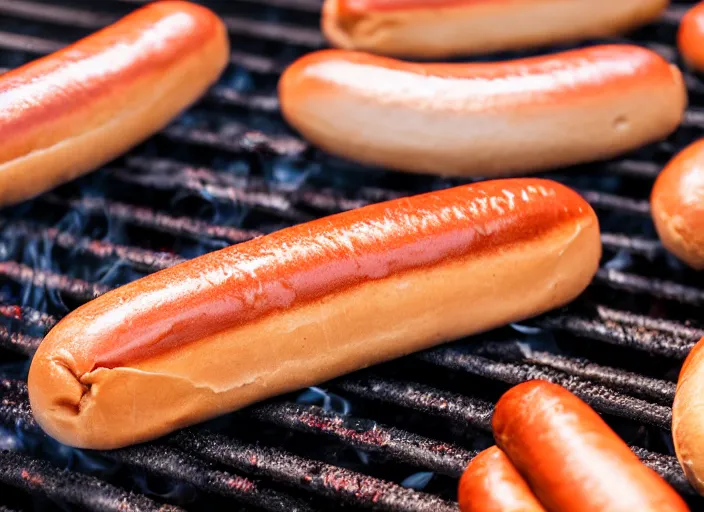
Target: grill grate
x=230 y=170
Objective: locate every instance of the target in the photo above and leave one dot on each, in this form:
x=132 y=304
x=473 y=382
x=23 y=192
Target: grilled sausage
x=677 y=205
x=491 y=484
x=571 y=458
x=483 y=119
x=690 y=37
x=442 y=28
x=688 y=417
x=66 y=114
x=309 y=303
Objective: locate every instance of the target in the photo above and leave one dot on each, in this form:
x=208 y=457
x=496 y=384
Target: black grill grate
x=230 y=170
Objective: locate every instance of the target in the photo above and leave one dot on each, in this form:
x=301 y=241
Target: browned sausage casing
x=570 y=457
x=491 y=484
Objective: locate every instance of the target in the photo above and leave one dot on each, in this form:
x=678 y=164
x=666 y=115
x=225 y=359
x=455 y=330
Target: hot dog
x=483 y=119
x=690 y=37
x=309 y=303
x=570 y=457
x=491 y=484
x=688 y=418
x=66 y=114
x=441 y=28
x=677 y=205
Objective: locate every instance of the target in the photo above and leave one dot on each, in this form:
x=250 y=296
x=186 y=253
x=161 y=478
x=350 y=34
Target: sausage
x=570 y=457
x=688 y=418
x=483 y=119
x=444 y=28
x=70 y=112
x=491 y=484
x=677 y=205
x=309 y=303
x=690 y=37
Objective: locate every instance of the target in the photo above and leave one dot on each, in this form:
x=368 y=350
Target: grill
x=395 y=437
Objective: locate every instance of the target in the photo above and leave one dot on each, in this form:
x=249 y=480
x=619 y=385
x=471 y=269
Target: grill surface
x=395 y=437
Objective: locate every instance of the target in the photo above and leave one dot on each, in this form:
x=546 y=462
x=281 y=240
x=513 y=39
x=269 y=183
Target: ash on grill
x=395 y=437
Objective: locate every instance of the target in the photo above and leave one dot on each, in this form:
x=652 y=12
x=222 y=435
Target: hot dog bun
x=70 y=112
x=309 y=303
x=570 y=457
x=688 y=417
x=486 y=119
x=491 y=484
x=690 y=37
x=436 y=29
x=677 y=205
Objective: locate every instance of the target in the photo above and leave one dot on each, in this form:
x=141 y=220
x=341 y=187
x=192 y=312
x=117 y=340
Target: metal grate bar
x=147 y=218
x=635 y=384
x=667 y=467
x=172 y=463
x=55 y=14
x=159 y=460
x=17 y=342
x=41 y=478
x=604 y=201
x=618 y=332
x=634 y=168
x=237 y=139
x=368 y=435
x=77 y=288
x=278 y=32
x=311 y=475
x=265 y=200
x=141 y=259
x=314 y=476
x=231 y=97
x=23 y=43
x=26 y=315
x=646 y=322
x=656 y=287
x=650 y=249
x=601 y=398
x=463 y=410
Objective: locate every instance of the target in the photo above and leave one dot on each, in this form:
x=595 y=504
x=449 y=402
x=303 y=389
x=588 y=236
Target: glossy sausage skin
x=571 y=458
x=491 y=484
x=443 y=28
x=690 y=37
x=688 y=417
x=309 y=303
x=677 y=205
x=70 y=112
x=483 y=119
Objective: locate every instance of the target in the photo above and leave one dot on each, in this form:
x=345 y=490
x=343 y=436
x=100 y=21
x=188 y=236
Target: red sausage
x=677 y=205
x=571 y=458
x=491 y=484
